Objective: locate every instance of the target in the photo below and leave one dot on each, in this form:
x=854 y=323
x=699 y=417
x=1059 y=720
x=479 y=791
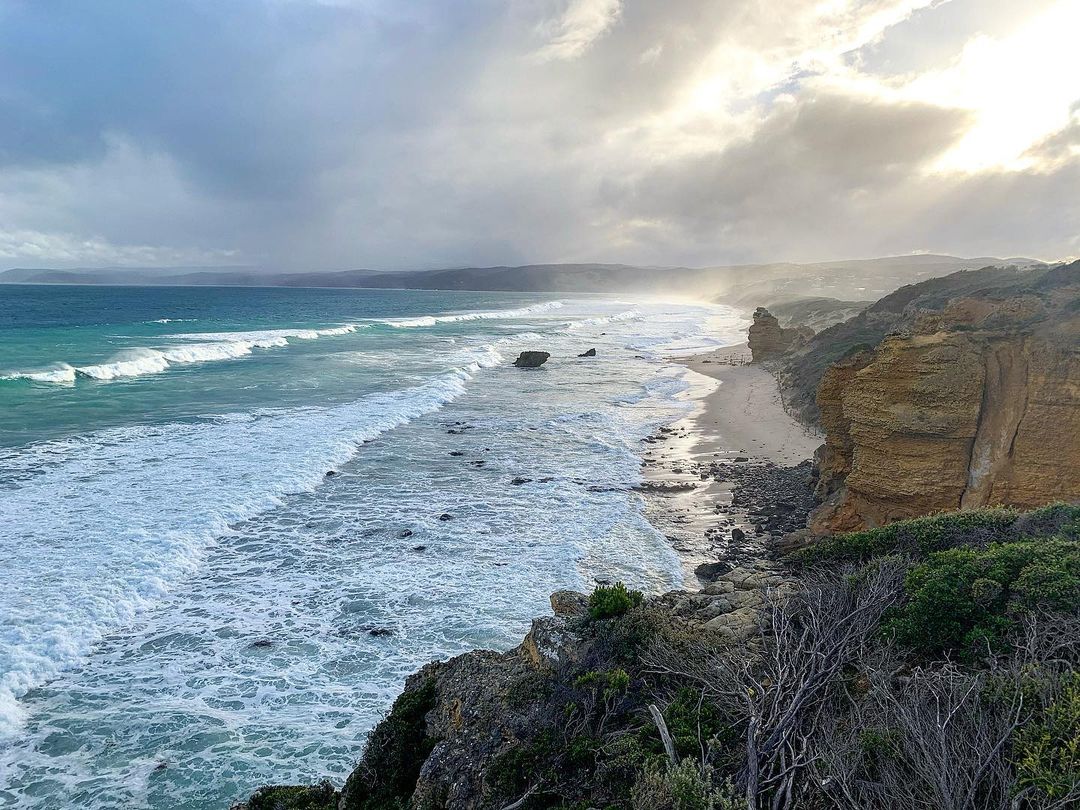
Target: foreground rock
x=975 y=405
x=531 y=359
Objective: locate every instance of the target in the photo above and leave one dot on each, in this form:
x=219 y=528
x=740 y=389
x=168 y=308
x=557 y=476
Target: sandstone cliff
x=975 y=404
x=768 y=340
x=803 y=367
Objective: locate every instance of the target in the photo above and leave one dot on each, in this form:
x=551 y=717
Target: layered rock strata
x=977 y=405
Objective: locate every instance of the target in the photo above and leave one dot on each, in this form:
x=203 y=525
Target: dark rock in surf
x=405 y=533
x=738 y=535
x=531 y=359
x=331 y=473
x=446 y=516
x=589 y=353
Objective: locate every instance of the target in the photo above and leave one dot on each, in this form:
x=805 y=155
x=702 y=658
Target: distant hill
x=862 y=279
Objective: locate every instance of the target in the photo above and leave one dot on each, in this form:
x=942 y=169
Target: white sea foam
x=173 y=320
x=628 y=315
x=60 y=373
x=268 y=334
x=480 y=315
x=147 y=501
x=142 y=360
x=139 y=361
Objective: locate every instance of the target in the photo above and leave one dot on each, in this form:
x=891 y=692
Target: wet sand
x=739 y=420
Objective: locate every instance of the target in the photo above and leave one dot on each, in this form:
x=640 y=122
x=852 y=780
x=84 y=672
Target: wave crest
x=481 y=315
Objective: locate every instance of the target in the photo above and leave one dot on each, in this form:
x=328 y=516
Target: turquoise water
x=188 y=599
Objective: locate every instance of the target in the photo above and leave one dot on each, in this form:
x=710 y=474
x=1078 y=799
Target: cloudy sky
x=424 y=133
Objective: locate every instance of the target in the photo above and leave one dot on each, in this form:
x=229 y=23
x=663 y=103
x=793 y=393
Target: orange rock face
x=959 y=417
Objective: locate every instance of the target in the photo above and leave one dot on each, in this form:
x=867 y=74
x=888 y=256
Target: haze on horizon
x=304 y=134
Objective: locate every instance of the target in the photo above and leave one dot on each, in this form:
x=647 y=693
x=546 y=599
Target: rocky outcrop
x=802 y=368
x=467 y=732
x=531 y=359
x=768 y=340
x=977 y=405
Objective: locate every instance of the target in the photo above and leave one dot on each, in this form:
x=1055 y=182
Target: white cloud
x=580 y=25
x=36 y=248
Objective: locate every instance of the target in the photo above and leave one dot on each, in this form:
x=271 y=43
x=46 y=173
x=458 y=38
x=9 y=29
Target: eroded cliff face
x=979 y=405
x=768 y=340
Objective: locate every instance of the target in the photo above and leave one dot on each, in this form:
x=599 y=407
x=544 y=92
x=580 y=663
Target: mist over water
x=189 y=599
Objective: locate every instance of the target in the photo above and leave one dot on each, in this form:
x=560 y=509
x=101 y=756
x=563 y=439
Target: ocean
x=234 y=519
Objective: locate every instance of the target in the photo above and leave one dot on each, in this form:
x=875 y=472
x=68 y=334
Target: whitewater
x=227 y=539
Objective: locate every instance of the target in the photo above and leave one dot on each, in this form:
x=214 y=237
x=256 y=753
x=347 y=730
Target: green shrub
x=318 y=797
x=661 y=786
x=1046 y=749
x=609 y=684
x=965 y=597
x=693 y=722
x=976 y=528
x=609 y=601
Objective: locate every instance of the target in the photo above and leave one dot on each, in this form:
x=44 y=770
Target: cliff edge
x=975 y=403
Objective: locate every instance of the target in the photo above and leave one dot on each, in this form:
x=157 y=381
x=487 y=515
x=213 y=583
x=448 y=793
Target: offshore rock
x=531 y=359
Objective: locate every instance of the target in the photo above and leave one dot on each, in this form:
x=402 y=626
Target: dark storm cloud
x=389 y=134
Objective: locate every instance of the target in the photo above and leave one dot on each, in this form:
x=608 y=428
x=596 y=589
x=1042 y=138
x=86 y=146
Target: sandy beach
x=739 y=420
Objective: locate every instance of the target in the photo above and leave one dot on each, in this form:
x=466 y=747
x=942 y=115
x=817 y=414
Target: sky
x=410 y=134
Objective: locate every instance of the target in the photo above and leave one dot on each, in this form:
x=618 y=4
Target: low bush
x=1046 y=749
x=965 y=597
x=609 y=601
x=319 y=797
x=686 y=786
x=976 y=528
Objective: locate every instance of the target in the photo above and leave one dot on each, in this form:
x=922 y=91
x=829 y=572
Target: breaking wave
x=482 y=315
x=140 y=361
x=136 y=544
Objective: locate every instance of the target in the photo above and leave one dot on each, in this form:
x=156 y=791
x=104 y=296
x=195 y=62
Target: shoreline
x=738 y=430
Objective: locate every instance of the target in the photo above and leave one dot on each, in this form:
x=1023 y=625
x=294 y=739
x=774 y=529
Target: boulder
x=710 y=571
x=589 y=353
x=531 y=359
x=569 y=604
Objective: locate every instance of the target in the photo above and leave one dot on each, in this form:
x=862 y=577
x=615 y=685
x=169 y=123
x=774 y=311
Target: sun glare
x=1020 y=89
